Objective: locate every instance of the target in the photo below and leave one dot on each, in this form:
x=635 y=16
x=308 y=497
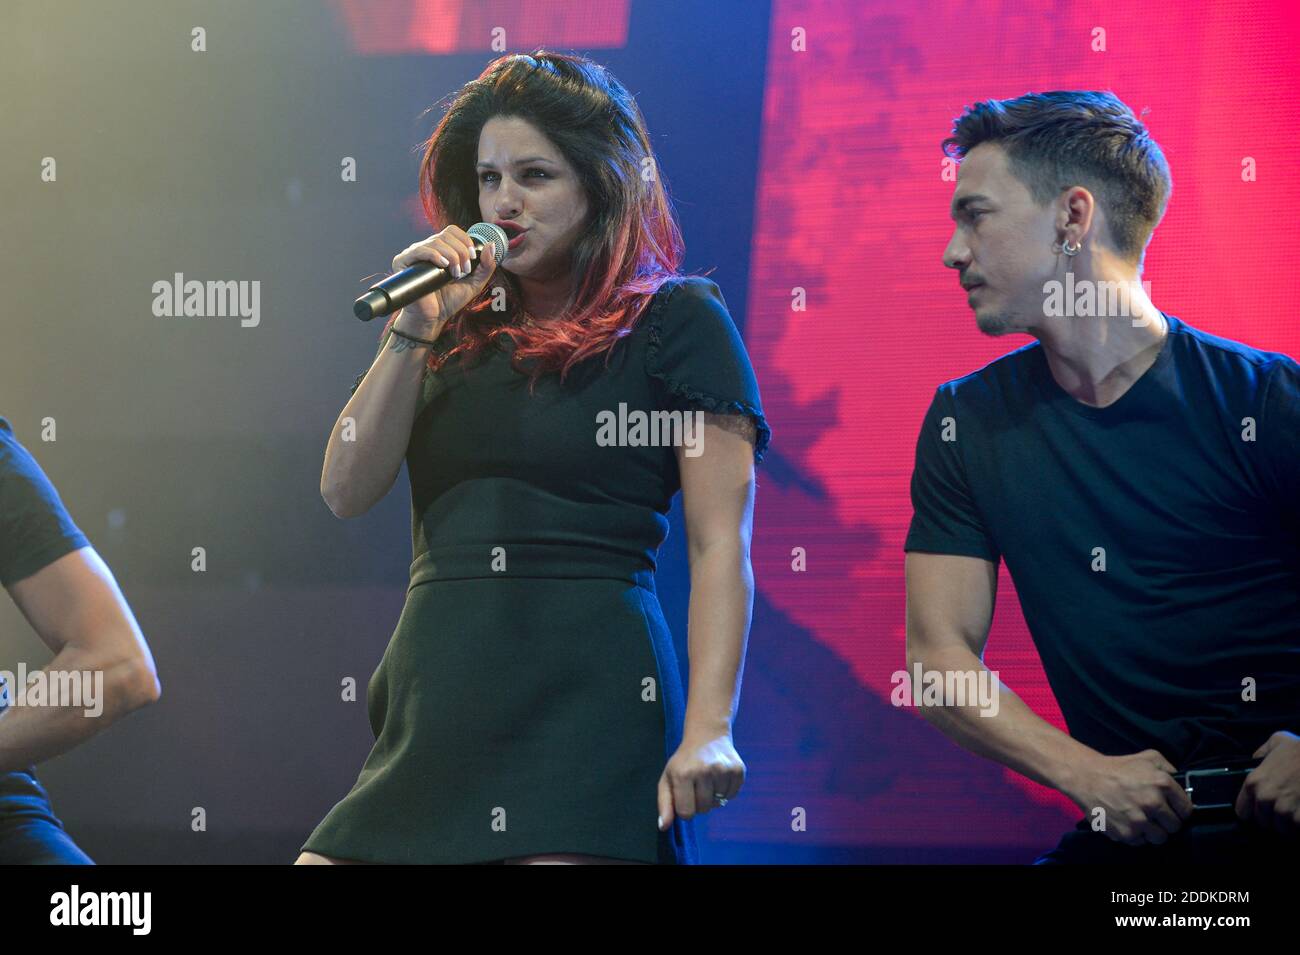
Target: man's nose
x=956 y=255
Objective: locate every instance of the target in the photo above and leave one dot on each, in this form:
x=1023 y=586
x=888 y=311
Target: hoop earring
x=1065 y=247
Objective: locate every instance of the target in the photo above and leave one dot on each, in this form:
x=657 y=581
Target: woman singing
x=529 y=706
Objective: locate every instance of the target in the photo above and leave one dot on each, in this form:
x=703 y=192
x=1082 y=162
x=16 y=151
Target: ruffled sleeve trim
x=715 y=404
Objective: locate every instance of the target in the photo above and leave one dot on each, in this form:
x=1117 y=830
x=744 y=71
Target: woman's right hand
x=451 y=248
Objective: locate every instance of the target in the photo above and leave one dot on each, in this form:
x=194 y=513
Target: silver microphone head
x=487 y=232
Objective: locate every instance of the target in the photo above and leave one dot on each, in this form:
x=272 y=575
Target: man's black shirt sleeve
x=945 y=519
x=35 y=528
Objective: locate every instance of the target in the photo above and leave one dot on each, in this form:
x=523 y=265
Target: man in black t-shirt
x=1141 y=480
x=102 y=668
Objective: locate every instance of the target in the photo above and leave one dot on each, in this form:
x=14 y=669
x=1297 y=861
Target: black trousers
x=30 y=833
x=1213 y=838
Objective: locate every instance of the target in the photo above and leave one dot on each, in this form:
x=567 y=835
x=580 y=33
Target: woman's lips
x=514 y=243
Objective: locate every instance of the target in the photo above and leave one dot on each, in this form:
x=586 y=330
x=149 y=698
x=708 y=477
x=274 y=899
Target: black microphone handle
x=402 y=288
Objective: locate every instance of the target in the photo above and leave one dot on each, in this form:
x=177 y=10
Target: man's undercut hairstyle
x=1057 y=140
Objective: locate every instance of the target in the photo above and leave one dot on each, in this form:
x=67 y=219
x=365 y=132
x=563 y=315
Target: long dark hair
x=631 y=243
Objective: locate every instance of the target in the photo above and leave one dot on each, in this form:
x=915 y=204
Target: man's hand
x=1142 y=801
x=1271 y=793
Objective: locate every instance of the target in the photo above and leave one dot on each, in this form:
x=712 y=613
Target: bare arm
x=950 y=603
x=78 y=611
x=1133 y=798
x=718 y=504
x=369 y=439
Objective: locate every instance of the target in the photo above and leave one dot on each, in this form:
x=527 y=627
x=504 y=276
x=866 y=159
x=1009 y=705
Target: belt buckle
x=1188 y=786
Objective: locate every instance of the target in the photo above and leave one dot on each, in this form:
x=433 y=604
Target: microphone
x=404 y=287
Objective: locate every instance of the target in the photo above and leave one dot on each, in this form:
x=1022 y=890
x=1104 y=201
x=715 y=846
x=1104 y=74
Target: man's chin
x=991 y=325
x=995 y=324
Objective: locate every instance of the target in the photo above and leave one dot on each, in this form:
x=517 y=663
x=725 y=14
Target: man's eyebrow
x=961 y=204
x=518 y=162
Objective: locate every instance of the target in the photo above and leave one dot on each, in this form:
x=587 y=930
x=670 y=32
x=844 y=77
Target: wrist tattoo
x=399 y=344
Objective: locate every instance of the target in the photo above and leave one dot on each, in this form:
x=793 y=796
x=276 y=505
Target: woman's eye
x=483 y=177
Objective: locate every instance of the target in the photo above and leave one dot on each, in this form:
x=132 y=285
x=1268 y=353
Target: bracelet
x=411 y=338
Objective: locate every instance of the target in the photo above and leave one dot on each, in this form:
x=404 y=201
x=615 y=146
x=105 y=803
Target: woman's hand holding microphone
x=451 y=248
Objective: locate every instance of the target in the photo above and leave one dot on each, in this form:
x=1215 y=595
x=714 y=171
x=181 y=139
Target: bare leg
x=559 y=858
x=569 y=858
x=315 y=858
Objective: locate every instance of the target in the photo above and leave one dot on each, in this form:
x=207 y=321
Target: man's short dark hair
x=1076 y=138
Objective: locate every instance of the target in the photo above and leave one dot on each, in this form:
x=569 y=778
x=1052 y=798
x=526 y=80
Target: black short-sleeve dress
x=530 y=695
